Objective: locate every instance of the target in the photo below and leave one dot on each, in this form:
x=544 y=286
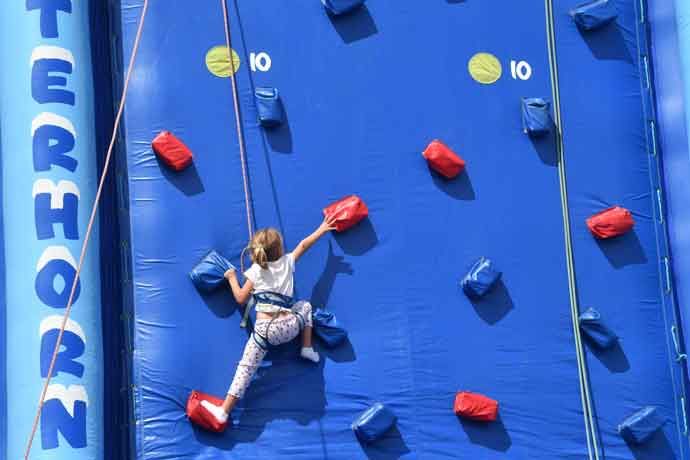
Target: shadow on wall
x=220 y=302
x=657 y=448
x=545 y=146
x=274 y=192
x=495 y=305
x=623 y=250
x=355 y=25
x=343 y=353
x=290 y=388
x=279 y=138
x=334 y=266
x=613 y=358
x=459 y=187
x=391 y=447
x=357 y=240
x=187 y=181
x=608 y=43
x=491 y=435
x=319 y=299
x=287 y=387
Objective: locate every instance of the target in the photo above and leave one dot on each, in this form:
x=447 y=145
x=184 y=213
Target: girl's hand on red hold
x=328 y=224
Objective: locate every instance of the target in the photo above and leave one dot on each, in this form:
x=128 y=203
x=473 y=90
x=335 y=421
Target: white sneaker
x=216 y=411
x=310 y=354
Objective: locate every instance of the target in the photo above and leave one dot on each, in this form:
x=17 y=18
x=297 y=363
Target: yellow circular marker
x=218 y=64
x=485 y=68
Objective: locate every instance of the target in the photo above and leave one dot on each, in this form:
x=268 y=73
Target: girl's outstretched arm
x=241 y=293
x=326 y=226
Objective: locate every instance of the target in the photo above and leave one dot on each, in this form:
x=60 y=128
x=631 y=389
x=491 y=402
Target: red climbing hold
x=347 y=211
x=200 y=416
x=612 y=222
x=475 y=406
x=172 y=151
x=443 y=160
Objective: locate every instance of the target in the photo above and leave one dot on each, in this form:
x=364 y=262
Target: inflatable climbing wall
x=364 y=93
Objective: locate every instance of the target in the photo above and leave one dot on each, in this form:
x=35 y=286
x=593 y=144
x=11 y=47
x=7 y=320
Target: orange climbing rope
x=89 y=228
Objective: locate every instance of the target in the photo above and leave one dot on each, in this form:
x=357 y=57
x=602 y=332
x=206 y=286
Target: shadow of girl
x=289 y=389
x=334 y=266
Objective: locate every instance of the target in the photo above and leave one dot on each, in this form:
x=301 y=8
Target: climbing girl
x=270 y=280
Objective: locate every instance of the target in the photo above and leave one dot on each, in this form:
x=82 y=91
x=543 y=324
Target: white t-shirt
x=278 y=277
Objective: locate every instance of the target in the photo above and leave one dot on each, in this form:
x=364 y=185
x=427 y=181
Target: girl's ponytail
x=265 y=247
x=259 y=256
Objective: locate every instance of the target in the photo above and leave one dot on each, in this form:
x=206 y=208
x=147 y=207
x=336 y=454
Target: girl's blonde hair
x=266 y=246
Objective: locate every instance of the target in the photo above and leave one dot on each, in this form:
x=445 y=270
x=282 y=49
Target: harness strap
x=261 y=341
x=279 y=300
x=300 y=319
x=274 y=298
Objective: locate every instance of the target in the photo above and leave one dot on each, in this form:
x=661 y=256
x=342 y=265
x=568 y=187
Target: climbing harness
x=275 y=299
x=89 y=228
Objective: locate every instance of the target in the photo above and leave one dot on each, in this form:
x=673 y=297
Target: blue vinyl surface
x=3 y=334
x=363 y=96
x=671 y=46
x=607 y=163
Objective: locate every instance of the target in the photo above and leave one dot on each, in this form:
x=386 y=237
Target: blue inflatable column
x=671 y=40
x=683 y=18
x=49 y=181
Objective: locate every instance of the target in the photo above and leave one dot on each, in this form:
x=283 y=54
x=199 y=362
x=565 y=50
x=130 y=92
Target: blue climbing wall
x=364 y=94
x=611 y=159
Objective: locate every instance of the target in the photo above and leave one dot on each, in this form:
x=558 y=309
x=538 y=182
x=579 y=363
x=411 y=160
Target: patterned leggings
x=282 y=330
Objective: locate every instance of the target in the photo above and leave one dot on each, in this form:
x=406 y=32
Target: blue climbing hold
x=373 y=423
x=536 y=116
x=594 y=328
x=327 y=329
x=641 y=426
x=269 y=106
x=207 y=275
x=594 y=14
x=336 y=7
x=481 y=278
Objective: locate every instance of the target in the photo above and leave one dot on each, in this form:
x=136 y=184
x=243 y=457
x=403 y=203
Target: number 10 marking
x=521 y=70
x=260 y=61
